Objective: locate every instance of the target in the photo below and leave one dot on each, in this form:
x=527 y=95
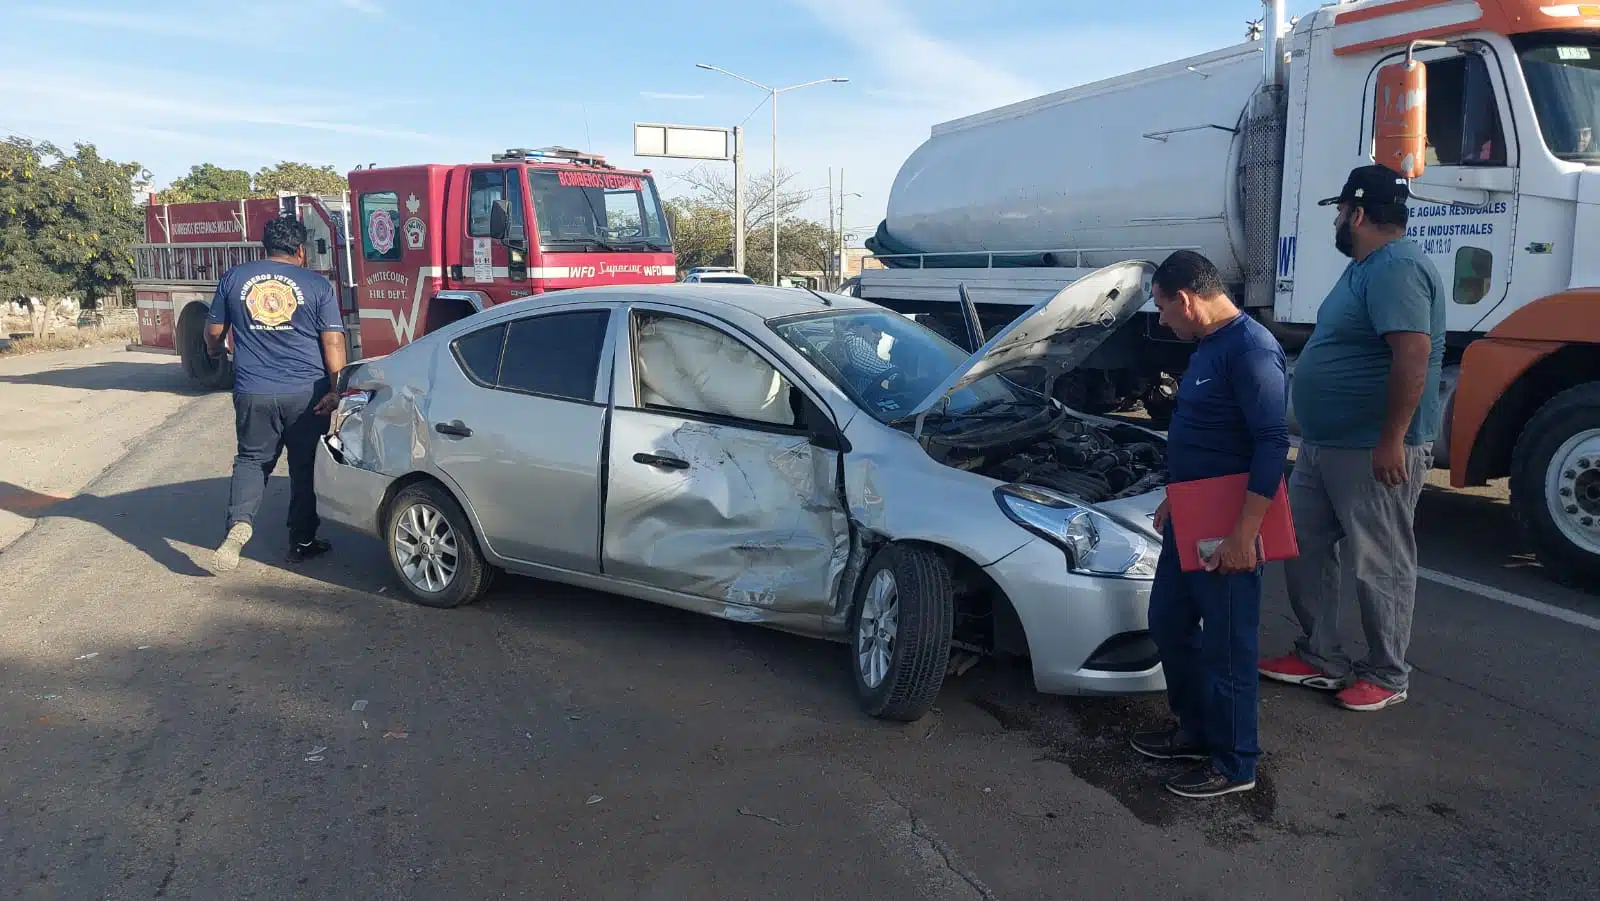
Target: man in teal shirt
x=1365 y=392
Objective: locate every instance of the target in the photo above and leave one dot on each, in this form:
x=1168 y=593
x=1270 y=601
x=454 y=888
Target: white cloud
x=663 y=95
x=368 y=7
x=911 y=60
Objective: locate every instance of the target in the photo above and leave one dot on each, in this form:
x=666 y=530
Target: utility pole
x=827 y=276
x=841 y=222
x=738 y=197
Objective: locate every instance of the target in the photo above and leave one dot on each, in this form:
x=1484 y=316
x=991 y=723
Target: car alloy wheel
x=425 y=547
x=876 y=628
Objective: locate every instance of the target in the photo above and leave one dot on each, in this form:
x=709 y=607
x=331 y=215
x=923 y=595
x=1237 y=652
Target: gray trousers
x=1340 y=509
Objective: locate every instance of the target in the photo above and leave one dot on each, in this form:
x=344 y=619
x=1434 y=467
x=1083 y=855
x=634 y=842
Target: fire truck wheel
x=212 y=374
x=1555 y=485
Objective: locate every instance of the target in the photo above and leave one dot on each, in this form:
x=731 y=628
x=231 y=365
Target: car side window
x=479 y=353
x=684 y=366
x=556 y=354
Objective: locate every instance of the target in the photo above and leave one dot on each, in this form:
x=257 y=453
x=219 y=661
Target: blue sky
x=349 y=82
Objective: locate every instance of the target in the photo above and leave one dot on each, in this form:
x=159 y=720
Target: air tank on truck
x=1227 y=154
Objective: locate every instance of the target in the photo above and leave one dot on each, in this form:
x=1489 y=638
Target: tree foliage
x=207 y=182
x=67 y=221
x=298 y=178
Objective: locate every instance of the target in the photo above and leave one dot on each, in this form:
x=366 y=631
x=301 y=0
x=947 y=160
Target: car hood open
x=1091 y=309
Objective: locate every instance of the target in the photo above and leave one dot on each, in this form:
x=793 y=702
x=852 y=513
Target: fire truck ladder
x=181 y=264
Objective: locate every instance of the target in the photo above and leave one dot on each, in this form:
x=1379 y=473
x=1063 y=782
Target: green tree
x=702 y=233
x=67 y=221
x=207 y=182
x=298 y=178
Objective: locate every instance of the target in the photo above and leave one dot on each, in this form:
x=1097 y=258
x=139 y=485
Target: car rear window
x=479 y=353
x=557 y=354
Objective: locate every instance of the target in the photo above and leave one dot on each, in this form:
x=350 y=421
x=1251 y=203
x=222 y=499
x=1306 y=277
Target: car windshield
x=1563 y=73
x=887 y=363
x=590 y=210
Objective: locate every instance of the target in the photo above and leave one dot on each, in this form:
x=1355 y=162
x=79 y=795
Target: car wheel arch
x=985 y=618
x=416 y=478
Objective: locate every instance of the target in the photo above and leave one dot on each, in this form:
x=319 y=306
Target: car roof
x=730 y=300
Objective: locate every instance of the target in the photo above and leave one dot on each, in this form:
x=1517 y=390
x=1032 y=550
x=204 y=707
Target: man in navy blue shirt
x=288 y=347
x=1230 y=419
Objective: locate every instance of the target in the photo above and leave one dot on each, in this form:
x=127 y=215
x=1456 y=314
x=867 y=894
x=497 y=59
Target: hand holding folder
x=1205 y=511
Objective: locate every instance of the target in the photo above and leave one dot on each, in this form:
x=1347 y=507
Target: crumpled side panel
x=754 y=521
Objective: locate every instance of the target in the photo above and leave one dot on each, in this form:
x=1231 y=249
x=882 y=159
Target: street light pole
x=773 y=95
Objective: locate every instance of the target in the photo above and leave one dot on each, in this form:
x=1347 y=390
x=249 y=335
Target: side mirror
x=1400 y=117
x=500 y=219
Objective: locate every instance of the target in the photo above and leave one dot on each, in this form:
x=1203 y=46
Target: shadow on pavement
x=119 y=376
x=193 y=513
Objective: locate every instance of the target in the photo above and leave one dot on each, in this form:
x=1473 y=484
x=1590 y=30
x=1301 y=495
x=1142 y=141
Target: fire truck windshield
x=586 y=209
x=1563 y=73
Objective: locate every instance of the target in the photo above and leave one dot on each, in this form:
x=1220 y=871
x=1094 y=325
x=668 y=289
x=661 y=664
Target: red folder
x=1205 y=509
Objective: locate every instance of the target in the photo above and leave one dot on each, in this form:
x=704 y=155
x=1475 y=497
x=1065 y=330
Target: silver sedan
x=809 y=462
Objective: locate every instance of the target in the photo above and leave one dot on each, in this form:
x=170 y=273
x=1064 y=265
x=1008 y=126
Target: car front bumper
x=348 y=495
x=1086 y=635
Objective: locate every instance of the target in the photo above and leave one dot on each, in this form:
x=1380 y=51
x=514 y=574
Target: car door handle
x=658 y=460
x=456 y=428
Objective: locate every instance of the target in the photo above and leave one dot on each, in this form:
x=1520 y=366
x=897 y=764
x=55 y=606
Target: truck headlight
x=1095 y=544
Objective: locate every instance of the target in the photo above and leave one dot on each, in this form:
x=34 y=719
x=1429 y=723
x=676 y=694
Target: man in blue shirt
x=1230 y=418
x=1366 y=395
x=288 y=347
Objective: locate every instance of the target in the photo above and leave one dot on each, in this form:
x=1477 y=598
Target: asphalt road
x=302 y=733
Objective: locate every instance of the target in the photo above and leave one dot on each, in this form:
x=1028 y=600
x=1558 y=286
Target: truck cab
x=438 y=243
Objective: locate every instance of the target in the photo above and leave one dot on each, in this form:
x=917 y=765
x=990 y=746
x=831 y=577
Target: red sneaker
x=1365 y=696
x=1291 y=669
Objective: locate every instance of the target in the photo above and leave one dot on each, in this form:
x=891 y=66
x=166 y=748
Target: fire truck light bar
x=561 y=153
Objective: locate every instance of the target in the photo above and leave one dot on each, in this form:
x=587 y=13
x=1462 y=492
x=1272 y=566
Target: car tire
x=910 y=666
x=1552 y=490
x=444 y=567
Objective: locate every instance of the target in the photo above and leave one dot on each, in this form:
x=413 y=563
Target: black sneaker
x=304 y=550
x=1169 y=744
x=1206 y=782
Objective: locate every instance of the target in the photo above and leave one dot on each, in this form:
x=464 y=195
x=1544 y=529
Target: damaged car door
x=722 y=475
x=517 y=419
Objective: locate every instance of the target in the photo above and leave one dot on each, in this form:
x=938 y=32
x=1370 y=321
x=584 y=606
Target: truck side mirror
x=1400 y=117
x=500 y=219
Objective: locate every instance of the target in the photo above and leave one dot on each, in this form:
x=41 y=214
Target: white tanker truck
x=1227 y=153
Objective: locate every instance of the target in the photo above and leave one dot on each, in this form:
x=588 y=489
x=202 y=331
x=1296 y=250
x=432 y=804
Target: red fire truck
x=431 y=244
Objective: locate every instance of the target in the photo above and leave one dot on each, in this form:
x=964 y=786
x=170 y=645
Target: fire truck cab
x=411 y=248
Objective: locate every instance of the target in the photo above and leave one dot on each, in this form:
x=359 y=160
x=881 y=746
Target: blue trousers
x=1205 y=626
x=266 y=425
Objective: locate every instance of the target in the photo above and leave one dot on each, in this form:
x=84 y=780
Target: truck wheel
x=432 y=548
x=212 y=374
x=1555 y=484
x=900 y=631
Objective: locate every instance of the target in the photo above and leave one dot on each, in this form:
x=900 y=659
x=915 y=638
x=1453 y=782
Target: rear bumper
x=346 y=494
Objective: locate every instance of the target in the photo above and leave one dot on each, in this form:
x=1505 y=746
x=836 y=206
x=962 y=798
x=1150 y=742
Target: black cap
x=1373 y=185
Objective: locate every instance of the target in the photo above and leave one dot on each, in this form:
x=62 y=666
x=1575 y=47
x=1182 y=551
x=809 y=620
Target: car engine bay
x=1089 y=462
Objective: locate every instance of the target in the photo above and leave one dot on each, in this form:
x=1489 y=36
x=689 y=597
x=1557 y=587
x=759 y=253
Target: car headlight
x=1095 y=544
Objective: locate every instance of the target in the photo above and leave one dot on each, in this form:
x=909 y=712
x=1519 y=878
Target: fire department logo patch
x=416 y=233
x=271 y=300
x=380 y=229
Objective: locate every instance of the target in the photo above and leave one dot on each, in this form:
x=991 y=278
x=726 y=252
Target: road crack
x=920 y=829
